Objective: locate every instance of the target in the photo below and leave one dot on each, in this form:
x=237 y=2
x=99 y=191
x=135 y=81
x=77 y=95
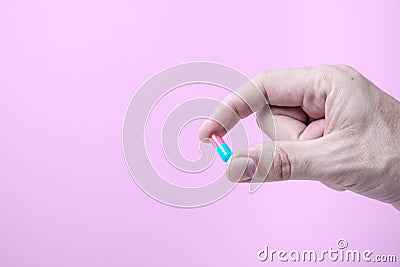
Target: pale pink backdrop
x=68 y=70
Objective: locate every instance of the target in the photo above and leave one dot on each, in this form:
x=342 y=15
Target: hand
x=332 y=125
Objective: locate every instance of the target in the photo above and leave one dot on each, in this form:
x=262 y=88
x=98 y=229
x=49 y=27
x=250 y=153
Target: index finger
x=288 y=88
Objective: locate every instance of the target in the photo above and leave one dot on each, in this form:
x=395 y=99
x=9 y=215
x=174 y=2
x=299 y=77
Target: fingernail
x=241 y=169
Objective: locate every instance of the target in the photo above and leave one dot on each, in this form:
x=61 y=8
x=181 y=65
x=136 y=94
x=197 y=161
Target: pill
x=221 y=147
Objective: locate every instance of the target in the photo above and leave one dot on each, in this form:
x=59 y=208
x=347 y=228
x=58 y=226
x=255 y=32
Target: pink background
x=68 y=70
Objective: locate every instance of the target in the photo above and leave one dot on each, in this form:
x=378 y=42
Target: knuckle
x=344 y=67
x=325 y=76
x=325 y=68
x=259 y=81
x=347 y=70
x=258 y=78
x=282 y=166
x=238 y=105
x=351 y=79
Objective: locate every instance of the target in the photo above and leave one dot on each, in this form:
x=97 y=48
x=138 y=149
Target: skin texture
x=332 y=125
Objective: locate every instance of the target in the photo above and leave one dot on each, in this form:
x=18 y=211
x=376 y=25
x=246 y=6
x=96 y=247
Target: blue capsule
x=221 y=147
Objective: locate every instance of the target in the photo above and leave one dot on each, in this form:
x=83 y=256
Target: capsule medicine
x=221 y=147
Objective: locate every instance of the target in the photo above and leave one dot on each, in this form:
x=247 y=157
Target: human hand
x=332 y=125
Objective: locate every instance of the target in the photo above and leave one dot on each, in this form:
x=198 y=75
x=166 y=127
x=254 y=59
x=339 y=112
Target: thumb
x=279 y=161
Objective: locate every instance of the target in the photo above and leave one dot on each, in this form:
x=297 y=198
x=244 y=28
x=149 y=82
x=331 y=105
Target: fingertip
x=208 y=128
x=201 y=133
x=240 y=169
x=204 y=131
